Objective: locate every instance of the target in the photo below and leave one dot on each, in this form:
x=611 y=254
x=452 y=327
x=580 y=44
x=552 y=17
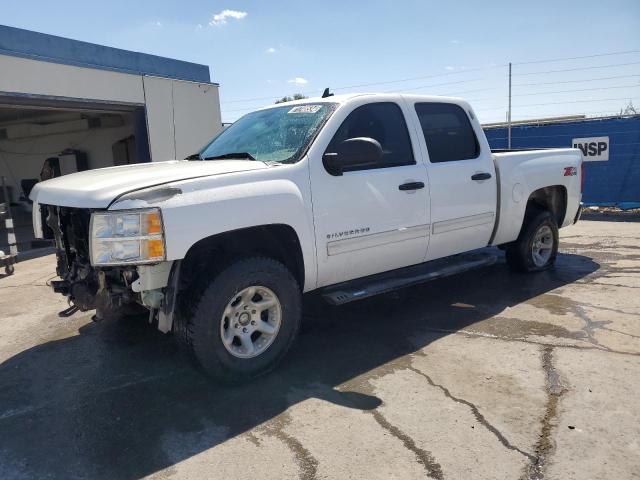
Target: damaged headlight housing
x=127 y=237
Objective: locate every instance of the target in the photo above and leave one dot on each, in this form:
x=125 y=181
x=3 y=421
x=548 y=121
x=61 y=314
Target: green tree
x=296 y=96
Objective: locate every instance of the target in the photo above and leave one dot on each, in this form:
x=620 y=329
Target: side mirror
x=353 y=154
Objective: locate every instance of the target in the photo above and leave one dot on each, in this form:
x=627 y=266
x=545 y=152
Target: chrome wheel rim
x=251 y=321
x=542 y=246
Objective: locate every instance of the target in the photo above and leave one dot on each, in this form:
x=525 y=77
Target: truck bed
x=522 y=172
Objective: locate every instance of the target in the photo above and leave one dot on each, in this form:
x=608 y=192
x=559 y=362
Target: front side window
x=280 y=134
x=383 y=122
x=447 y=132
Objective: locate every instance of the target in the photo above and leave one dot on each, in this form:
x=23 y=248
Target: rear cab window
x=447 y=132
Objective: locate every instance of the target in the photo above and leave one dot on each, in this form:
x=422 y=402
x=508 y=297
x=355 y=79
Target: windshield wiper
x=195 y=156
x=239 y=155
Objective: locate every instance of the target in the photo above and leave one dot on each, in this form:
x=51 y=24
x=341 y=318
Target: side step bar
x=404 y=277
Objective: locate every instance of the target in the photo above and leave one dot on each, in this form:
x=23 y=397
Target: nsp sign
x=594 y=149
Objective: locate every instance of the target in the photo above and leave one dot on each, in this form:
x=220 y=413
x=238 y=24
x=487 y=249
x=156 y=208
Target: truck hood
x=98 y=188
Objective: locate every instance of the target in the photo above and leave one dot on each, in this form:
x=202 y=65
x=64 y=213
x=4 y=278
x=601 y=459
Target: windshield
x=279 y=134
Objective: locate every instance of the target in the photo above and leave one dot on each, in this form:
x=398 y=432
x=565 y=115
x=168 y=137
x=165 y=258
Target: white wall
x=181 y=116
x=160 y=126
x=33 y=77
x=196 y=114
x=32 y=152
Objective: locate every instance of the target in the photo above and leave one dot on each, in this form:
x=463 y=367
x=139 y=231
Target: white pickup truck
x=352 y=195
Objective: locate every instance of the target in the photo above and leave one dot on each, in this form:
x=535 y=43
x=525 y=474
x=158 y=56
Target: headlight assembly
x=127 y=237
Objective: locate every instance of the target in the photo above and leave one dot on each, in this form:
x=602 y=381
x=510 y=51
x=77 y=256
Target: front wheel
x=537 y=245
x=245 y=320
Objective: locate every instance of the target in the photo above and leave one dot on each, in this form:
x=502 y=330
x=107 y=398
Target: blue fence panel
x=614 y=182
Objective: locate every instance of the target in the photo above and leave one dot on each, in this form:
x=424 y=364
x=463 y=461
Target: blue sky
x=264 y=50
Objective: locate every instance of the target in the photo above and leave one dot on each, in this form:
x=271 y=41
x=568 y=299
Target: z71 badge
x=570 y=171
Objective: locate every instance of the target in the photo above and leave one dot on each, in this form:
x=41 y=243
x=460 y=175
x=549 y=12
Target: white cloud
x=298 y=81
x=158 y=24
x=449 y=67
x=221 y=18
x=271 y=50
x=199 y=26
x=455 y=42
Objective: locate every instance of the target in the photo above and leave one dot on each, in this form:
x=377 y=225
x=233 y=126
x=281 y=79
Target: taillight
x=582 y=175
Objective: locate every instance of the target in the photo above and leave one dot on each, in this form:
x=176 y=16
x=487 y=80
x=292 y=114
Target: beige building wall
x=181 y=115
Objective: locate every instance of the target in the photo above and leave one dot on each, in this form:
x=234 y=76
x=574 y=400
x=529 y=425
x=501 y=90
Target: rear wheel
x=537 y=245
x=245 y=320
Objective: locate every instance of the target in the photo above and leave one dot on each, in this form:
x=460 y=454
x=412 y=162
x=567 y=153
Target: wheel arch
x=552 y=198
x=210 y=254
x=513 y=220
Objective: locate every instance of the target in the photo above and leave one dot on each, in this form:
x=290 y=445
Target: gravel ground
x=489 y=374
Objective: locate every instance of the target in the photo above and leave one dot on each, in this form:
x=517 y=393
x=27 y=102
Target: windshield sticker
x=305 y=109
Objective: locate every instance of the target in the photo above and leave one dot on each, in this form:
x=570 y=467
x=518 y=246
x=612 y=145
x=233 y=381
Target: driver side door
x=375 y=218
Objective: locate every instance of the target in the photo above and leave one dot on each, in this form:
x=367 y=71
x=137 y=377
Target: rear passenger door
x=373 y=219
x=461 y=176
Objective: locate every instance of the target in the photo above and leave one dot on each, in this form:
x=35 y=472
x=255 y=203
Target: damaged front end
x=109 y=289
x=86 y=287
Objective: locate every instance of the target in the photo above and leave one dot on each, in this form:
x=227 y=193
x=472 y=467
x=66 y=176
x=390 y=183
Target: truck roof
x=347 y=97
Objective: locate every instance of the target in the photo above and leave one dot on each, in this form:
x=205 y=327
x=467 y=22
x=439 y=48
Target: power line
x=574 y=81
x=453 y=94
x=577 y=58
x=405 y=89
x=558 y=103
x=435 y=85
x=438 y=75
x=577 y=90
x=469 y=70
x=477 y=100
x=577 y=69
x=576 y=101
x=388 y=82
x=551 y=60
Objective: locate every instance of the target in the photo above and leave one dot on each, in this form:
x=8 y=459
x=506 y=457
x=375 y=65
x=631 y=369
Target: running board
x=425 y=272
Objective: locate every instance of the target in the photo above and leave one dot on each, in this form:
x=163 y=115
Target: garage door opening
x=40 y=141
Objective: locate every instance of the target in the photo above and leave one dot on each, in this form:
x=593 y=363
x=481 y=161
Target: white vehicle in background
x=351 y=195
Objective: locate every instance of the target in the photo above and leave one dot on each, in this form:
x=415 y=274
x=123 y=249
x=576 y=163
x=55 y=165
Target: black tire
x=198 y=331
x=520 y=255
x=9 y=269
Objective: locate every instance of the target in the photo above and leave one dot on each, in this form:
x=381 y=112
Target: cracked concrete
x=485 y=375
x=545 y=446
x=479 y=416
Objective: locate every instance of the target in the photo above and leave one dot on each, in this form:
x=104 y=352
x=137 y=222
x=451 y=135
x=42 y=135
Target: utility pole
x=509 y=113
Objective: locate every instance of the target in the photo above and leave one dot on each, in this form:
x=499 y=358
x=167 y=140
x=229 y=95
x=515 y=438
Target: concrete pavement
x=489 y=374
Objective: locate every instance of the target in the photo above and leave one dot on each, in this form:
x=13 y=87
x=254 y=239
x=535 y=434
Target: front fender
x=201 y=208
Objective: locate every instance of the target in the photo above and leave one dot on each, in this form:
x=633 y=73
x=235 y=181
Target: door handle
x=411 y=186
x=481 y=176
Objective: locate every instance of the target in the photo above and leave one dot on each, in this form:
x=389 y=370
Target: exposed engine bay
x=87 y=287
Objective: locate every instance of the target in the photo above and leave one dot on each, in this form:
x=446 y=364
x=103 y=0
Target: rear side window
x=447 y=132
x=383 y=122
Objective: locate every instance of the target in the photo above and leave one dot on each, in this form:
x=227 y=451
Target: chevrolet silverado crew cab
x=350 y=195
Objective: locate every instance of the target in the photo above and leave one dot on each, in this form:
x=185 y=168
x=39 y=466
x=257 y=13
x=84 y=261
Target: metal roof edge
x=18 y=42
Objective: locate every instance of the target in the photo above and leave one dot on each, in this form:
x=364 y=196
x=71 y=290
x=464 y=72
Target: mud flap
x=166 y=313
